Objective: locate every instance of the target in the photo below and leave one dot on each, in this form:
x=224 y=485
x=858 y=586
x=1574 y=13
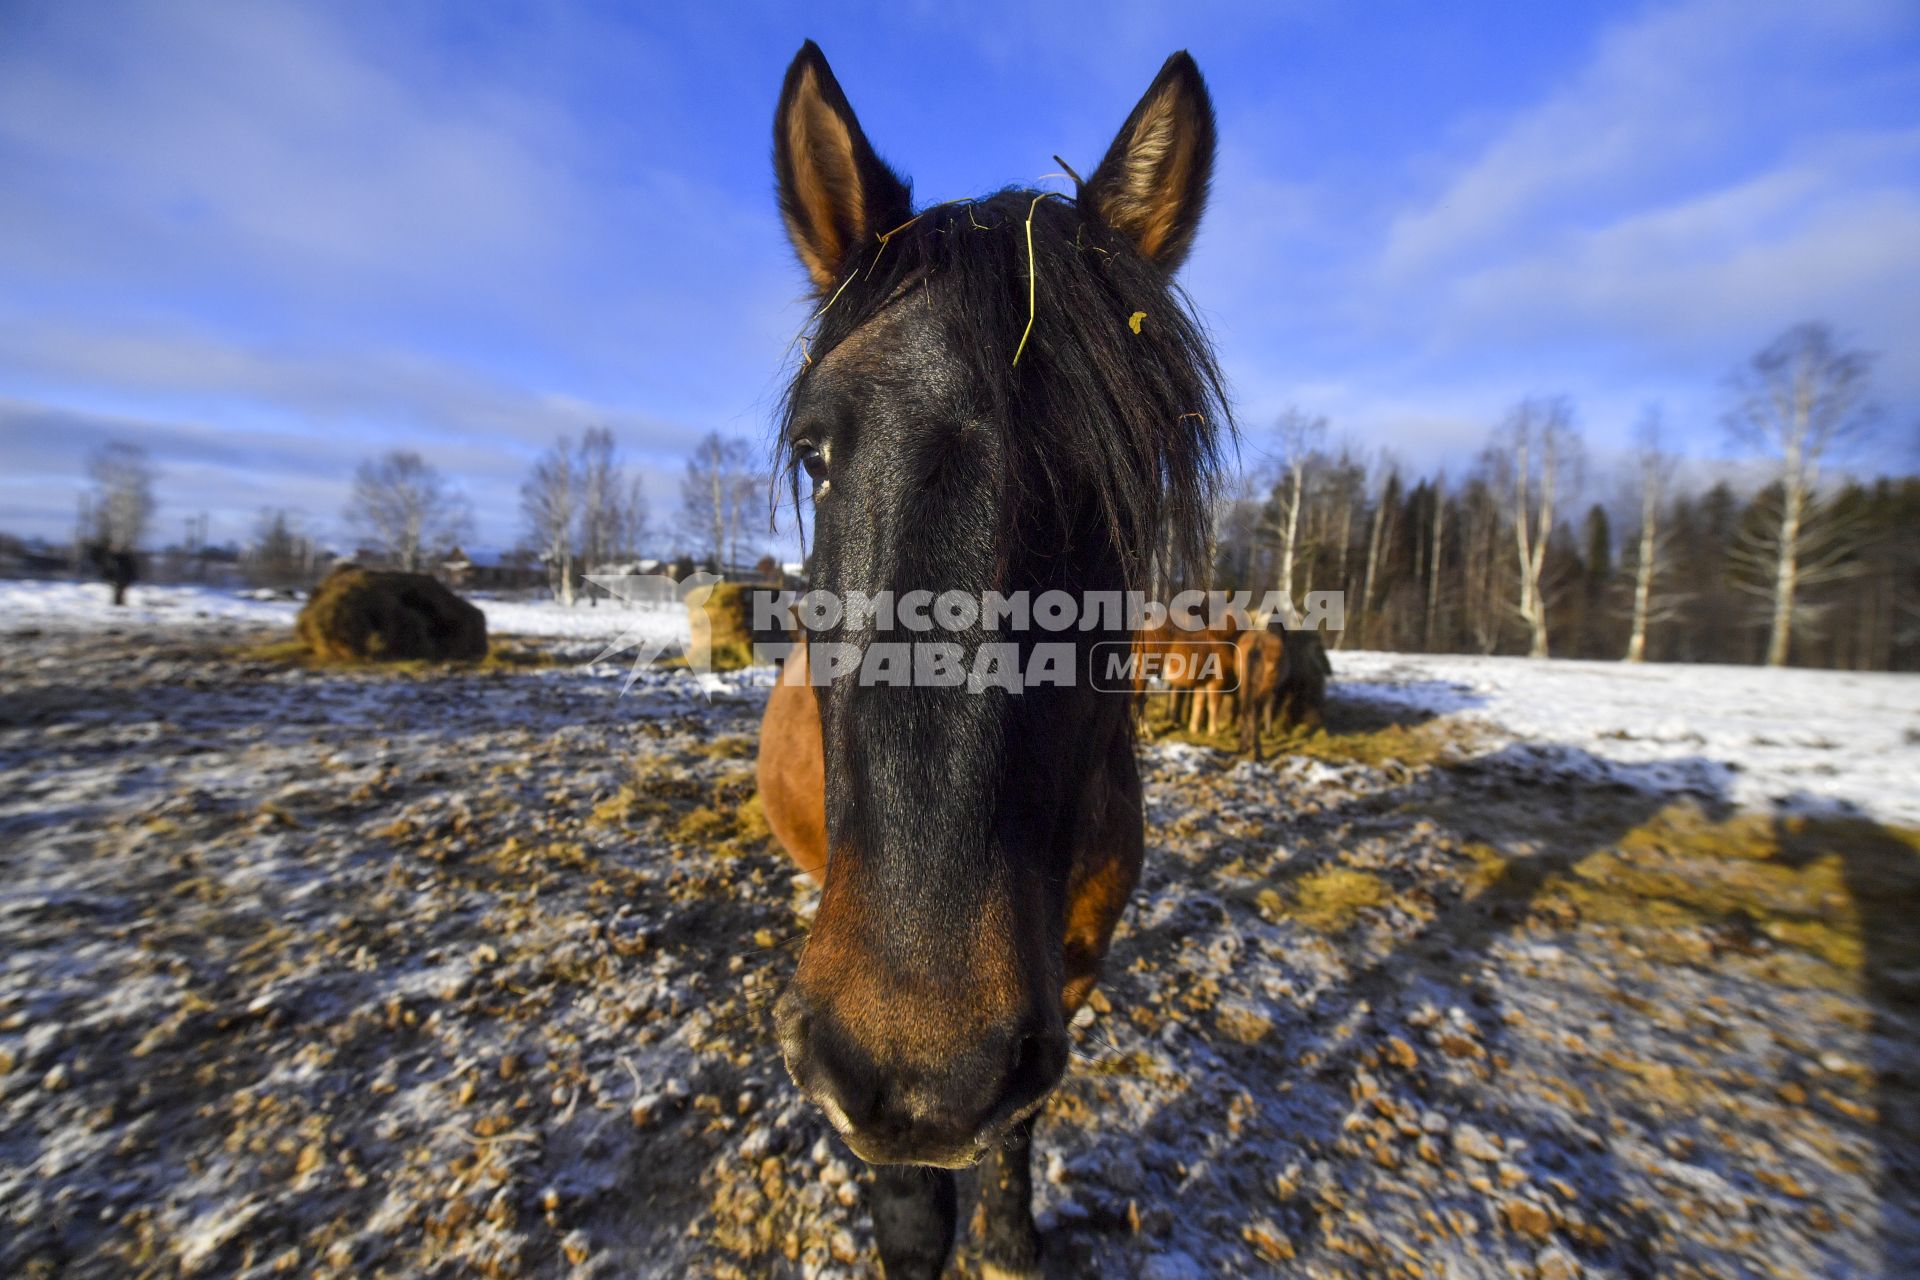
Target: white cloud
x=1830 y=238
x=259 y=131
x=302 y=172
x=376 y=393
x=1668 y=97
x=1713 y=172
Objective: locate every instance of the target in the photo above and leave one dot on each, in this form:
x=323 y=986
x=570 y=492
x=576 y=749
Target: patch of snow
x=1833 y=741
x=88 y=606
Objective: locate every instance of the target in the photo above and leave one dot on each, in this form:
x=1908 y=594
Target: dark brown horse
x=999 y=396
x=1262 y=660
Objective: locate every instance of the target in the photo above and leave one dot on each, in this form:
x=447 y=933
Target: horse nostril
x=830 y=1069
x=1037 y=1061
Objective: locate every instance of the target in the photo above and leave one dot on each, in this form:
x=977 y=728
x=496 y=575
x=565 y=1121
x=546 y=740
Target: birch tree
x=406 y=509
x=1385 y=505
x=1653 y=466
x=602 y=494
x=1540 y=442
x=712 y=495
x=748 y=494
x=636 y=517
x=1436 y=543
x=1300 y=435
x=548 y=500
x=1798 y=400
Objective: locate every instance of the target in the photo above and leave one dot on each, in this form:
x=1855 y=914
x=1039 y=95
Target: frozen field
x=88 y=606
x=1830 y=741
x=1538 y=970
x=1820 y=741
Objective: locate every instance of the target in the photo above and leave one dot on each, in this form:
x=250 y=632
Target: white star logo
x=649 y=589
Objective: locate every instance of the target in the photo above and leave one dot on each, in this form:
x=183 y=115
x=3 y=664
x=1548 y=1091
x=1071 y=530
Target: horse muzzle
x=948 y=1111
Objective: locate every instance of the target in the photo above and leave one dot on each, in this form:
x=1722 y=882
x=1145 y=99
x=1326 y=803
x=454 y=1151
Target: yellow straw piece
x=1033 y=276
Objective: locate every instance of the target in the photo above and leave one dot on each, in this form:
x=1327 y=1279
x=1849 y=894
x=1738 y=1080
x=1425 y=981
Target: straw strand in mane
x=1128 y=414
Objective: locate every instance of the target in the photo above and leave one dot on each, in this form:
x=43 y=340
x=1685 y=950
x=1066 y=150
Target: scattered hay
x=363 y=615
x=750 y=822
x=1330 y=900
x=703 y=826
x=1806 y=884
x=736 y=746
x=1437 y=742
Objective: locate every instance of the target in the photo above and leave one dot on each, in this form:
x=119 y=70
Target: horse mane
x=1090 y=351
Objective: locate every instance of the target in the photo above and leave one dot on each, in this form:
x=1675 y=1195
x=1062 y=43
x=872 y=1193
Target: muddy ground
x=445 y=972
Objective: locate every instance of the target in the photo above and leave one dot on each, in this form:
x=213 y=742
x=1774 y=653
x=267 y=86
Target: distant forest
x=1502 y=558
x=1524 y=549
x=1376 y=539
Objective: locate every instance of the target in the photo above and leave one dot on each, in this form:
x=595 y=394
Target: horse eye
x=814 y=461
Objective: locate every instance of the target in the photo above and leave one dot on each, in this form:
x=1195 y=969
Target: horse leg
x=913 y=1216
x=1009 y=1243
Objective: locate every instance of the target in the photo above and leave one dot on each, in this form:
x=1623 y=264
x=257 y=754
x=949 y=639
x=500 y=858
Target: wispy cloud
x=1712 y=172
x=369 y=392
x=260 y=136
x=276 y=222
x=271 y=240
x=1684 y=95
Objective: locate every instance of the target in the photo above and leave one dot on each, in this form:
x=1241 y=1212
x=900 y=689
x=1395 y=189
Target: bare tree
x=1540 y=443
x=748 y=494
x=636 y=518
x=1653 y=465
x=715 y=493
x=405 y=509
x=1344 y=485
x=1300 y=435
x=602 y=493
x=122 y=505
x=1482 y=532
x=115 y=516
x=548 y=500
x=1796 y=401
x=1436 y=544
x=280 y=554
x=1385 y=507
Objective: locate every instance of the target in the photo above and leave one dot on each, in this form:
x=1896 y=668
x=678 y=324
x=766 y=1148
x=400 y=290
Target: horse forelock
x=1115 y=405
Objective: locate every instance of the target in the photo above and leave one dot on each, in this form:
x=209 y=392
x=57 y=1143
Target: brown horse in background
x=1301 y=698
x=1000 y=396
x=1200 y=669
x=1282 y=682
x=1262 y=661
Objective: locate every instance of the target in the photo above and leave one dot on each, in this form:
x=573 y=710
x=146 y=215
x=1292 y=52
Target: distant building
x=487 y=571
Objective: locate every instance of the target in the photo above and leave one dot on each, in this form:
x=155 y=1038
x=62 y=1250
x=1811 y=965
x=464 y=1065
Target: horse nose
x=892 y=1112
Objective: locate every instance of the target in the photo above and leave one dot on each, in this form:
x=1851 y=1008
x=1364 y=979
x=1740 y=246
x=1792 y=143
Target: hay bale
x=366 y=615
x=727 y=609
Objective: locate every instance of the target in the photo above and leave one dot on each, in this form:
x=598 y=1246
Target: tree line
x=1518 y=553
x=581 y=509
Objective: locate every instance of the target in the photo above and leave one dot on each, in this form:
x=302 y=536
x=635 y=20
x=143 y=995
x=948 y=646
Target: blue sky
x=268 y=241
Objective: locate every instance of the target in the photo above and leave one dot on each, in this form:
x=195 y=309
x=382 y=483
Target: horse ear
x=834 y=191
x=1153 y=182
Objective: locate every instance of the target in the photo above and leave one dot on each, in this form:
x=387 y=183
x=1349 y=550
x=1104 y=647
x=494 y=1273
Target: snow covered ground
x=1803 y=740
x=467 y=971
x=89 y=606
